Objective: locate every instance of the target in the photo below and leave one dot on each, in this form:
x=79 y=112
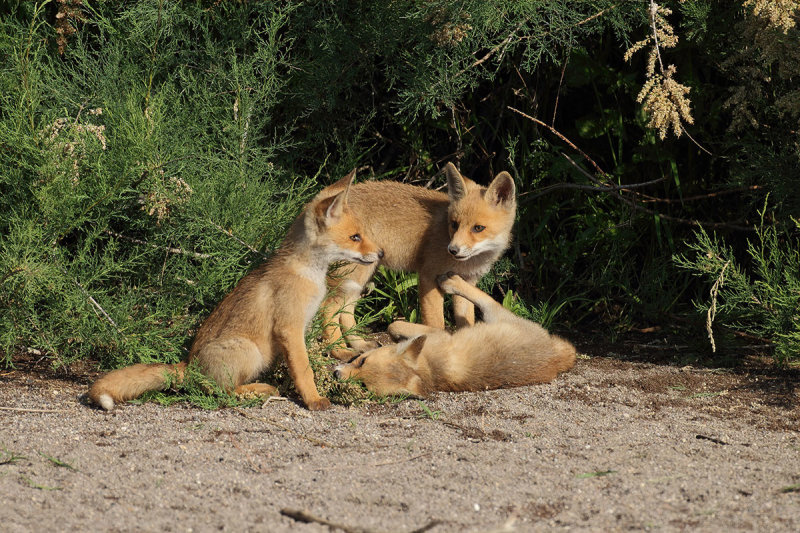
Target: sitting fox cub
x=464 y=231
x=267 y=312
x=503 y=351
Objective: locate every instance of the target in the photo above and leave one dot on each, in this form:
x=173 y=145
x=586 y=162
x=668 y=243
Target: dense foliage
x=153 y=151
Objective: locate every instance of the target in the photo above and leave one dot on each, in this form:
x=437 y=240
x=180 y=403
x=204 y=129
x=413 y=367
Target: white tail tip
x=106 y=402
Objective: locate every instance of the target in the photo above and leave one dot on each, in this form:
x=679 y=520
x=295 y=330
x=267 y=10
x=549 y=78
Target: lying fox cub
x=502 y=351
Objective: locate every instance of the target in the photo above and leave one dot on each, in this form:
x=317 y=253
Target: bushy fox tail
x=133 y=381
x=565 y=354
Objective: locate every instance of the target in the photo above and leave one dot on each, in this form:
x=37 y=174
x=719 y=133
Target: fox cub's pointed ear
x=502 y=191
x=330 y=209
x=344 y=183
x=415 y=348
x=456 y=186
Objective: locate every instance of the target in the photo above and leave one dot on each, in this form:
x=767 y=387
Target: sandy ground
x=616 y=444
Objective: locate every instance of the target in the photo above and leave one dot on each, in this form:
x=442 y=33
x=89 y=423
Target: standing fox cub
x=267 y=313
x=502 y=351
x=464 y=231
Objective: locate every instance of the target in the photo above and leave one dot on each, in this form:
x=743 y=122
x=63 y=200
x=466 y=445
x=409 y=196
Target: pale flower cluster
x=164 y=196
x=771 y=60
x=448 y=33
x=67 y=140
x=665 y=102
x=662 y=36
x=664 y=99
x=782 y=14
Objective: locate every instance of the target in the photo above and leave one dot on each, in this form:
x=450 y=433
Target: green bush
x=762 y=299
x=154 y=151
x=142 y=177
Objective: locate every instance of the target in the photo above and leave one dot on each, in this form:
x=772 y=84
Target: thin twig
x=230 y=234
x=505 y=42
x=96 y=305
x=703 y=148
x=28 y=410
x=307 y=518
x=558 y=92
x=712 y=439
x=312 y=440
x=157 y=247
x=560 y=136
x=580 y=23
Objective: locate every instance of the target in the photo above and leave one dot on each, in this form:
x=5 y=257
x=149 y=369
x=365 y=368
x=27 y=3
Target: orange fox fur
x=429 y=232
x=267 y=312
x=502 y=351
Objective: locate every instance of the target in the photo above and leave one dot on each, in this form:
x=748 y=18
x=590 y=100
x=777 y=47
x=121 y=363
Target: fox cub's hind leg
x=491 y=310
x=256 y=389
x=231 y=361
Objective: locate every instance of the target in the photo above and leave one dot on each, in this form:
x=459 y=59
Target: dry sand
x=615 y=444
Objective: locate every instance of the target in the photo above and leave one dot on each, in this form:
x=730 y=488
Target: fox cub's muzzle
x=458 y=252
x=368 y=259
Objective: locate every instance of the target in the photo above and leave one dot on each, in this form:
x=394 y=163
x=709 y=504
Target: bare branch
x=653 y=199
x=560 y=136
x=591 y=188
x=230 y=234
x=637 y=207
x=157 y=247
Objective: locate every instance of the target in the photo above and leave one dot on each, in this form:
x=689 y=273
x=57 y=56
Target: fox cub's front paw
x=449 y=282
x=320 y=404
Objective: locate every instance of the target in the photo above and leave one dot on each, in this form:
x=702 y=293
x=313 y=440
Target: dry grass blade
x=312 y=440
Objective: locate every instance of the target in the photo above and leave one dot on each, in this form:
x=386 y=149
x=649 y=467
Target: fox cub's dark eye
x=454 y=225
x=355 y=237
x=359 y=363
x=477 y=228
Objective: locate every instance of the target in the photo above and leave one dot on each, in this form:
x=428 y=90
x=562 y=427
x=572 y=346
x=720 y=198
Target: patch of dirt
x=627 y=440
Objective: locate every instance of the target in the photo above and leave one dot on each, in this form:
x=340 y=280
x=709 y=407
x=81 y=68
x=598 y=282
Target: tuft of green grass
x=58 y=462
x=35 y=485
x=391 y=399
x=394 y=296
x=790 y=488
x=427 y=412
x=9 y=458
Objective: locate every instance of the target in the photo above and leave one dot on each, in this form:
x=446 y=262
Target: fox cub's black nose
x=452 y=249
x=337 y=374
